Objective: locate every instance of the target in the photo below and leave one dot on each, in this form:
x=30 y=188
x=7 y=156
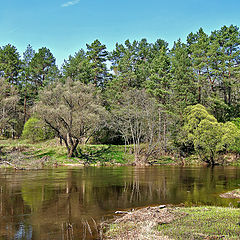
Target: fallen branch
x=6 y=162
x=10 y=164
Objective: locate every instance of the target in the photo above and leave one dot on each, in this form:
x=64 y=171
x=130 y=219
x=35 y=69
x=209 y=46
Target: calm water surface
x=66 y=203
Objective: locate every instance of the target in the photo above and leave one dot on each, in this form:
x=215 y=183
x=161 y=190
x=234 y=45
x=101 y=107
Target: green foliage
x=9 y=116
x=203 y=70
x=78 y=68
x=207 y=135
x=35 y=130
x=236 y=121
x=215 y=65
x=10 y=63
x=158 y=82
x=193 y=115
x=27 y=88
x=230 y=135
x=72 y=110
x=106 y=136
x=43 y=68
x=183 y=85
x=207 y=140
x=97 y=55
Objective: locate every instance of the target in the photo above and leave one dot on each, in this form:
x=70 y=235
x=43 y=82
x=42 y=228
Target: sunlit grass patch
x=204 y=223
x=106 y=153
x=163 y=160
x=53 y=153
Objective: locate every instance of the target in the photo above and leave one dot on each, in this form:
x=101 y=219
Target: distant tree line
x=180 y=100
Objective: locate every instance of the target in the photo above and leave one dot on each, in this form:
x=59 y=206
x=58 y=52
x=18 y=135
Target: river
x=68 y=203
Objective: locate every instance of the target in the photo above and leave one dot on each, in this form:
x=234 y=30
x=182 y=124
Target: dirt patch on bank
x=232 y=194
x=141 y=224
x=17 y=158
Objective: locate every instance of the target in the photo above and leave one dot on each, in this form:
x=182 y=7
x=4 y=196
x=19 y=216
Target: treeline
x=160 y=100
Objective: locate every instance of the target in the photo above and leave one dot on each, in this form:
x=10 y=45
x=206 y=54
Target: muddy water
x=68 y=203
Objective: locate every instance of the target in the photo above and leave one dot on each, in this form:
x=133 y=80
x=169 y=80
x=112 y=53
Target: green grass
x=107 y=153
x=204 y=223
x=236 y=163
x=92 y=154
x=163 y=160
x=58 y=154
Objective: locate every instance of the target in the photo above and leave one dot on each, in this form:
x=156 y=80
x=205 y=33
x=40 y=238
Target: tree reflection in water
x=68 y=204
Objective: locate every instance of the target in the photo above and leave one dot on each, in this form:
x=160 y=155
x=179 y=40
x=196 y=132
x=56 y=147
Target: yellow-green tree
x=207 y=135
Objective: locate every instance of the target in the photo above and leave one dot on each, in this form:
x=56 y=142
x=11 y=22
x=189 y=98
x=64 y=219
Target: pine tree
x=225 y=65
x=78 y=68
x=183 y=87
x=198 y=45
x=43 y=68
x=27 y=93
x=10 y=64
x=97 y=54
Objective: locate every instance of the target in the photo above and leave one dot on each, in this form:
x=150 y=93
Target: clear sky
x=66 y=26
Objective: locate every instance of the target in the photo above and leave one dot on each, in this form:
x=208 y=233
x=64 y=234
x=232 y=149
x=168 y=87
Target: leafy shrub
x=35 y=130
x=207 y=135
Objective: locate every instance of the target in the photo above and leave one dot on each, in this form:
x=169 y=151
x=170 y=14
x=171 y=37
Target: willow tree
x=72 y=110
x=8 y=104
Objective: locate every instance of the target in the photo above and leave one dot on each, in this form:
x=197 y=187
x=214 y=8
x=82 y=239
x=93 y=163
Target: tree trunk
x=72 y=150
x=199 y=94
x=212 y=162
x=199 y=89
x=165 y=133
x=25 y=108
x=60 y=140
x=229 y=96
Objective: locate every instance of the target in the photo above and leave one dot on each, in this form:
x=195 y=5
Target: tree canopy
x=179 y=100
x=72 y=110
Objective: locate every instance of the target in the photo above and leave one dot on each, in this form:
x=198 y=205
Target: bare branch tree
x=72 y=110
x=137 y=117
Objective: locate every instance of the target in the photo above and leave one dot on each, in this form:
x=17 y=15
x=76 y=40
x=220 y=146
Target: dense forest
x=182 y=100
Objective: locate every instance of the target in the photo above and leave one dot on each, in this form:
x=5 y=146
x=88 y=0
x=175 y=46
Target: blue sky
x=66 y=26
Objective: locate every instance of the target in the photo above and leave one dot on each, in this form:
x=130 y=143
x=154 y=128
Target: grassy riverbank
x=177 y=223
x=49 y=153
x=22 y=154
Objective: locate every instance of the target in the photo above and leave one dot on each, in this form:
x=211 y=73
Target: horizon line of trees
x=143 y=99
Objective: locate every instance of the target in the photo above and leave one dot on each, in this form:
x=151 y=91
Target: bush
x=35 y=130
x=207 y=135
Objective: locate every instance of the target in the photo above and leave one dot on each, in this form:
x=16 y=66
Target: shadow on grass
x=1 y=151
x=49 y=154
x=91 y=154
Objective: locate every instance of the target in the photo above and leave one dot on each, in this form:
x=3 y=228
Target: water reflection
x=67 y=204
